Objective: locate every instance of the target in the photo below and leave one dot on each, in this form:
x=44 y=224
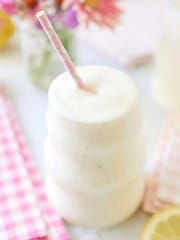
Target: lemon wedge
x=6 y=28
x=164 y=225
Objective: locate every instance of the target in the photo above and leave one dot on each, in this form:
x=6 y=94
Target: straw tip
x=40 y=14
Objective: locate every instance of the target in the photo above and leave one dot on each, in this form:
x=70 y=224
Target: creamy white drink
x=166 y=85
x=94 y=151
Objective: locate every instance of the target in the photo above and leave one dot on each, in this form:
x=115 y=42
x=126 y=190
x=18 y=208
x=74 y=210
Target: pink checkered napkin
x=151 y=201
x=55 y=226
x=20 y=217
x=169 y=181
x=151 y=204
x=25 y=212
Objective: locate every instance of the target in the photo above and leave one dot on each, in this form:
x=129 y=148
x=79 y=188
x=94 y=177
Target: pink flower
x=29 y=8
x=9 y=6
x=102 y=12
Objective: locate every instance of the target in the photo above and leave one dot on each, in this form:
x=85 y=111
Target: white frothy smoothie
x=94 y=151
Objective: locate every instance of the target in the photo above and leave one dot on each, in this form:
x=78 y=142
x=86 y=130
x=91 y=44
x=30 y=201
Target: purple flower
x=69 y=18
x=8 y=6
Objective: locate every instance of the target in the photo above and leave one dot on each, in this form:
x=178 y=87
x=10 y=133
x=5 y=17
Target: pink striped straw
x=58 y=46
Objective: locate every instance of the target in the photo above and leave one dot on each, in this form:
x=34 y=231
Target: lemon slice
x=6 y=28
x=164 y=225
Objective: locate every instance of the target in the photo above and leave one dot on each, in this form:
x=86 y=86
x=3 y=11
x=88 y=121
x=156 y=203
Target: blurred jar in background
x=40 y=60
x=166 y=86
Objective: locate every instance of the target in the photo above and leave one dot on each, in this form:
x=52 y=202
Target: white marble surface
x=31 y=103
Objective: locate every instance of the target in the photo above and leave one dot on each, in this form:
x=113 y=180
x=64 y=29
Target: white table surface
x=31 y=103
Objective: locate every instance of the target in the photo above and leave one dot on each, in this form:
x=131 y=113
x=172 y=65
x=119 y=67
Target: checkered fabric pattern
x=25 y=212
x=170 y=172
x=163 y=187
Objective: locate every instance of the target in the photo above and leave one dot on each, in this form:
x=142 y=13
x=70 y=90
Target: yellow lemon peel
x=164 y=225
x=6 y=28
